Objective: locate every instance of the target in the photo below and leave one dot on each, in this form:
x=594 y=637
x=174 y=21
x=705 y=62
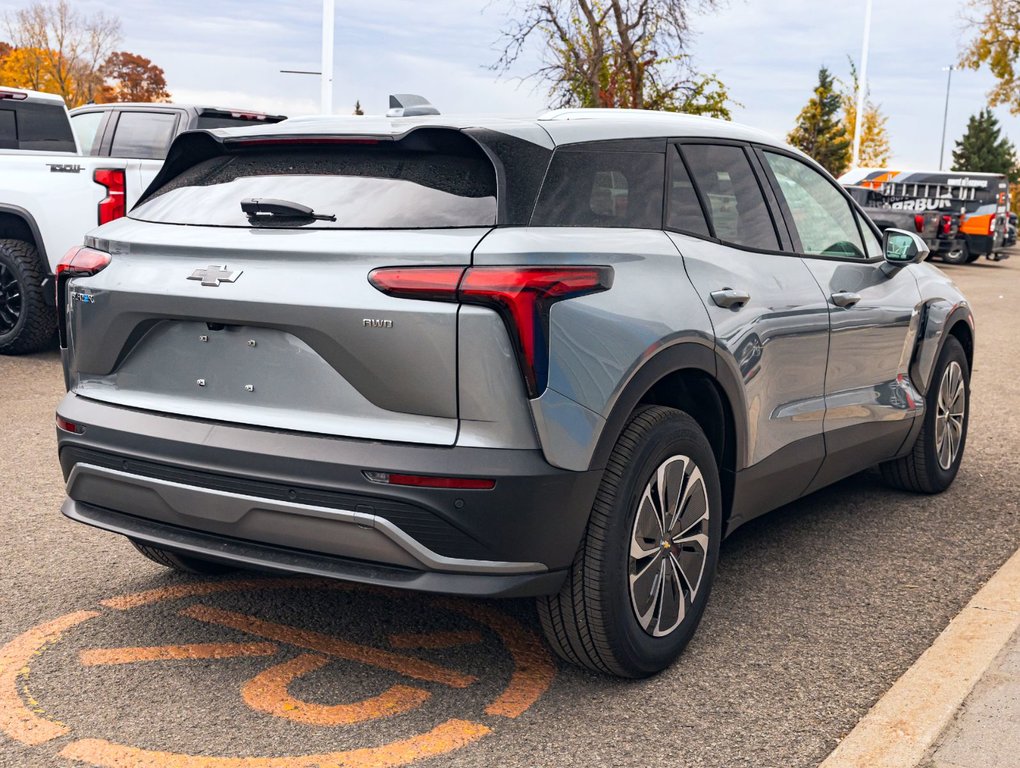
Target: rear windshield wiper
x=264 y=209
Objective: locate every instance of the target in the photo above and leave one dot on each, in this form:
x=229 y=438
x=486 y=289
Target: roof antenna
x=409 y=105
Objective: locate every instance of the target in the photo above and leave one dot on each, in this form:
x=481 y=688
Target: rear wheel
x=642 y=575
x=179 y=562
x=932 y=464
x=959 y=254
x=26 y=323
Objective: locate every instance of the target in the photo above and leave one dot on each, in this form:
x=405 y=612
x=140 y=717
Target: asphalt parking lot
x=106 y=659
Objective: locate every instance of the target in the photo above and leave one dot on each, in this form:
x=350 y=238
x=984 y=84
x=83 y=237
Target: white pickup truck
x=61 y=176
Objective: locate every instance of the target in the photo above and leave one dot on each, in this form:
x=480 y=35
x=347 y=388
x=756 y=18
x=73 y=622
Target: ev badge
x=214 y=275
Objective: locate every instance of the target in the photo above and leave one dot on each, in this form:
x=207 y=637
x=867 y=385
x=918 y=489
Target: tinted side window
x=729 y=188
x=85 y=126
x=823 y=217
x=44 y=127
x=602 y=189
x=144 y=135
x=8 y=129
x=683 y=209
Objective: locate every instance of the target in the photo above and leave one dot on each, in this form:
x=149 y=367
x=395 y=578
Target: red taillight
x=946 y=227
x=919 y=222
x=69 y=426
x=300 y=140
x=113 y=206
x=82 y=262
x=521 y=295
x=431 y=481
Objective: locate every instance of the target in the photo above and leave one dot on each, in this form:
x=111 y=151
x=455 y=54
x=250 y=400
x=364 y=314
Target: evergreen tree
x=819 y=130
x=983 y=148
x=357 y=107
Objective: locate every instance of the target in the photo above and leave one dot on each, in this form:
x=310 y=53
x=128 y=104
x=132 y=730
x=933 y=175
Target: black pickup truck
x=939 y=228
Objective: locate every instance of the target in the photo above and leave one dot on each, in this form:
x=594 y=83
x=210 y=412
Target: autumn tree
x=60 y=50
x=819 y=130
x=130 y=77
x=983 y=148
x=5 y=49
x=874 y=151
x=615 y=53
x=996 y=44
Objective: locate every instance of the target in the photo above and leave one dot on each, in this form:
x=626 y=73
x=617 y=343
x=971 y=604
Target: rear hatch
x=268 y=319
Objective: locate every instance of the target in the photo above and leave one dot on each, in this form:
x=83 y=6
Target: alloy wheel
x=949 y=415
x=10 y=299
x=669 y=545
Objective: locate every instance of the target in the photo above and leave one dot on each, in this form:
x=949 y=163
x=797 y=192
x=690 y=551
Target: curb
x=898 y=731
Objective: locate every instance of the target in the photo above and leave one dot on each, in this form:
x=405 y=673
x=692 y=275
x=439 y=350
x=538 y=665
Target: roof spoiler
x=409 y=105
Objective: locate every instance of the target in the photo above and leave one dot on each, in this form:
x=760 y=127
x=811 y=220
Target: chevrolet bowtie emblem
x=215 y=274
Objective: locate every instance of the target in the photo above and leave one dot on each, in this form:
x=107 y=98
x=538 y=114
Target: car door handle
x=845 y=298
x=729 y=297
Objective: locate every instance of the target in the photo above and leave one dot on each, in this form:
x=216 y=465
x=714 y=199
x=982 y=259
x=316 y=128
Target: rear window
x=364 y=187
x=42 y=127
x=592 y=188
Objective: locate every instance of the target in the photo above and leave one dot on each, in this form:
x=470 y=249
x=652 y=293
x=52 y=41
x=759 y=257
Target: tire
x=960 y=255
x=26 y=323
x=594 y=620
x=926 y=469
x=179 y=562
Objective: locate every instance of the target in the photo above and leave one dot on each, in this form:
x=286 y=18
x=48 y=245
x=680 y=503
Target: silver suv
x=560 y=357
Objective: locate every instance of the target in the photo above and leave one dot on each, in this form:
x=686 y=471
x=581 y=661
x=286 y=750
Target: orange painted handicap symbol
x=268 y=692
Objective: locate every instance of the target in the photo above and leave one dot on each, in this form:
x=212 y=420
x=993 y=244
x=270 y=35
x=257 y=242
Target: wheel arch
x=688 y=376
x=16 y=223
x=941 y=319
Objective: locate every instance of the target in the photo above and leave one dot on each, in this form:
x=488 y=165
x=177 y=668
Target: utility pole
x=945 y=113
x=328 y=12
x=862 y=87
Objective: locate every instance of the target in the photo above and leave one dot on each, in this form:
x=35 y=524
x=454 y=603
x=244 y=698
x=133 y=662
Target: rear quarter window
x=34 y=126
x=365 y=187
x=592 y=188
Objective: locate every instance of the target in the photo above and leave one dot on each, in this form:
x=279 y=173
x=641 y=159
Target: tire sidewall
x=952 y=350
x=14 y=264
x=668 y=438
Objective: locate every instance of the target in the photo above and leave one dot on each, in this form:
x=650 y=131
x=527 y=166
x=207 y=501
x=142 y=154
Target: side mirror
x=902 y=248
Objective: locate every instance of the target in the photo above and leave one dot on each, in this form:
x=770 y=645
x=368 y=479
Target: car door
x=769 y=316
x=870 y=402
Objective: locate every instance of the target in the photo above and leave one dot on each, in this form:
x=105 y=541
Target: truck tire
x=26 y=323
x=959 y=255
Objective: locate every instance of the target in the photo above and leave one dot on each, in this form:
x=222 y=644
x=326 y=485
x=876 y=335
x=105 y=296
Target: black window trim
x=760 y=150
x=680 y=142
x=668 y=194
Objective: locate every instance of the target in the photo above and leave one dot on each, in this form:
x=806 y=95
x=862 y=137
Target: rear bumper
x=301 y=503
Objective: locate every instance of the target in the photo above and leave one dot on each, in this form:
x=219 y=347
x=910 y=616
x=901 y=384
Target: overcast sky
x=229 y=52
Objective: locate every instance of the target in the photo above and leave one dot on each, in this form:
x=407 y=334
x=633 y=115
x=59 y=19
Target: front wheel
x=933 y=462
x=641 y=578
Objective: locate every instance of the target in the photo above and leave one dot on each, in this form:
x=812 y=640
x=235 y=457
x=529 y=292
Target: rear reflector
x=522 y=296
x=113 y=206
x=69 y=426
x=430 y=481
x=947 y=225
x=919 y=222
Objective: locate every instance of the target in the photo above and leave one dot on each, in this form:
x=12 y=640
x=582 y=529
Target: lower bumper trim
x=246 y=554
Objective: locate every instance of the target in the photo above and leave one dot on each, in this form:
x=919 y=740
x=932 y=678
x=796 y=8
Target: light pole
x=862 y=87
x=328 y=11
x=945 y=113
x=326 y=71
